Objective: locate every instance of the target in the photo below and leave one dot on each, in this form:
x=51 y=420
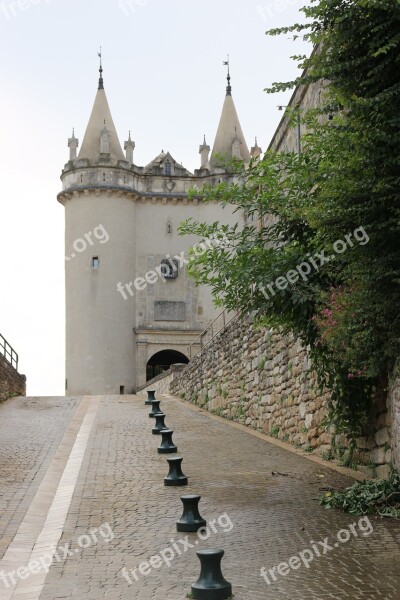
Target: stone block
x=382 y=436
x=389 y=419
x=383 y=472
x=303 y=410
x=368 y=472
x=309 y=420
x=378 y=456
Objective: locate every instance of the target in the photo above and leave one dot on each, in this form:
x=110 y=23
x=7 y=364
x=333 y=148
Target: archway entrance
x=161 y=361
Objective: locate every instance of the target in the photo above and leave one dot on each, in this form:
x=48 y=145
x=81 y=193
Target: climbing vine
x=319 y=254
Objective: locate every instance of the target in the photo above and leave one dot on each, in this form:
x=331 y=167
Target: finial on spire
x=204 y=150
x=101 y=83
x=73 y=144
x=255 y=151
x=129 y=147
x=229 y=87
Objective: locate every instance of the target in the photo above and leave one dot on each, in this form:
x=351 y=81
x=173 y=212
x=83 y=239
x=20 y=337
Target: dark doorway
x=161 y=361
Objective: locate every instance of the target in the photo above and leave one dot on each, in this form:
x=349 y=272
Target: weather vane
x=226 y=63
x=99 y=54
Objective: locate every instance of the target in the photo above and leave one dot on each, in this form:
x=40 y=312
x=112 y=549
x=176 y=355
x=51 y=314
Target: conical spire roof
x=229 y=132
x=99 y=119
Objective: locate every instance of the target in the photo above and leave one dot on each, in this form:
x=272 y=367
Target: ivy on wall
x=320 y=252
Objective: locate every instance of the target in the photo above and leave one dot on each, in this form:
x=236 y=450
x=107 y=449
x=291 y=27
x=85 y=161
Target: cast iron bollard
x=160 y=425
x=167 y=446
x=211 y=584
x=191 y=520
x=155 y=408
x=151 y=395
x=175 y=475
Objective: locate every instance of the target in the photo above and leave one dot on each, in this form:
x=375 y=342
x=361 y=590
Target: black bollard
x=175 y=475
x=167 y=446
x=191 y=519
x=160 y=425
x=151 y=395
x=155 y=408
x=211 y=584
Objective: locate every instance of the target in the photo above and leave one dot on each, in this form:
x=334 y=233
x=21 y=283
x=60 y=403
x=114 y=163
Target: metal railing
x=213 y=329
x=8 y=352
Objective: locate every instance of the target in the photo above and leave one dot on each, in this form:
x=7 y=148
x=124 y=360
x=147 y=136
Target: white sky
x=164 y=80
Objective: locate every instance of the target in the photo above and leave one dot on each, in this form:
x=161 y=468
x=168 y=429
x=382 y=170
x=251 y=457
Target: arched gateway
x=161 y=361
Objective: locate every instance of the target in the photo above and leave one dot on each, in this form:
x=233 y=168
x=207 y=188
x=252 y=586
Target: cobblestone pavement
x=262 y=519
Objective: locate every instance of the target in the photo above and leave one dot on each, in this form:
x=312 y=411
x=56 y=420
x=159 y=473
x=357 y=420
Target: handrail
x=212 y=330
x=8 y=352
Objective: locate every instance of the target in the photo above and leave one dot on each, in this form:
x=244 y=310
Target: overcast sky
x=165 y=82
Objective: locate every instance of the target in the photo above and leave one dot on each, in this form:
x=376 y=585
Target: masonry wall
x=162 y=383
x=394 y=402
x=264 y=379
x=11 y=382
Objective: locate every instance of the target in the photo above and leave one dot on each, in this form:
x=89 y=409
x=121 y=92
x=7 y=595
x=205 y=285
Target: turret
x=129 y=147
x=255 y=151
x=229 y=141
x=204 y=151
x=100 y=220
x=73 y=144
x=101 y=139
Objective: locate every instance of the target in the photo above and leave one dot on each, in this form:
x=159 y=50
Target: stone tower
x=130 y=306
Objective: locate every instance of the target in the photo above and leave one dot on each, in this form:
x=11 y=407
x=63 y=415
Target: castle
x=131 y=308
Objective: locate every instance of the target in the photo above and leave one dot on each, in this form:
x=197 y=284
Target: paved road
x=82 y=485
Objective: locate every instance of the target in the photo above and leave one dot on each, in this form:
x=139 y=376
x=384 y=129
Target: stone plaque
x=167 y=310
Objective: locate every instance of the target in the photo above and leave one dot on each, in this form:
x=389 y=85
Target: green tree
x=344 y=183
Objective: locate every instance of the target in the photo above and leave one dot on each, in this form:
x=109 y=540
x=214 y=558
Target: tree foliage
x=297 y=207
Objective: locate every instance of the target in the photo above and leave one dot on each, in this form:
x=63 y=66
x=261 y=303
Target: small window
x=121 y=390
x=95 y=262
x=167 y=168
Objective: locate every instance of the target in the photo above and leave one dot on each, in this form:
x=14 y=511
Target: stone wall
x=394 y=399
x=264 y=379
x=162 y=383
x=11 y=382
x=304 y=98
